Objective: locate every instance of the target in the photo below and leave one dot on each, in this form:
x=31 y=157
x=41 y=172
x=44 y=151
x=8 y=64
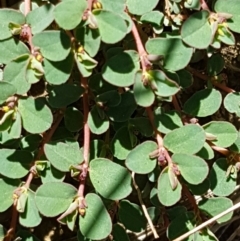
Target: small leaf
x=15 y=163
x=188 y=139
x=57 y=73
x=139 y=7
x=115 y=186
x=143 y=94
x=120 y=69
x=30 y=142
x=206 y=152
x=215 y=64
x=97 y=124
x=36 y=116
x=196 y=30
x=110 y=98
x=122 y=143
x=30 y=217
x=181 y=225
x=119 y=233
x=215 y=206
x=68 y=14
x=63 y=155
x=96 y=223
x=63 y=95
x=11 y=49
x=142 y=125
x=16 y=128
x=199 y=189
x=124 y=110
x=226 y=134
x=164 y=86
x=112 y=27
x=73 y=119
x=138 y=159
x=185 y=78
x=193 y=169
x=221 y=185
x=9 y=16
x=6 y=90
x=203 y=103
x=7 y=187
x=131 y=216
x=15 y=73
x=54 y=45
x=166 y=194
x=176 y=55
x=40 y=18
x=232 y=103
x=53 y=198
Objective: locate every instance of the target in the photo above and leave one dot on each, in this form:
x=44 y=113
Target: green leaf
x=206 y=152
x=167 y=196
x=68 y=14
x=196 y=30
x=7 y=187
x=30 y=217
x=36 y=116
x=97 y=124
x=57 y=73
x=97 y=149
x=193 y=4
x=122 y=143
x=142 y=125
x=63 y=155
x=96 y=223
x=138 y=159
x=155 y=18
x=89 y=38
x=110 y=98
x=26 y=235
x=181 y=225
x=175 y=212
x=11 y=49
x=199 y=189
x=80 y=237
x=143 y=94
x=53 y=198
x=16 y=127
x=232 y=103
x=225 y=133
x=73 y=119
x=231 y=7
x=215 y=206
x=193 y=169
x=124 y=110
x=15 y=73
x=203 y=103
x=139 y=7
x=3 y=232
x=119 y=233
x=30 y=142
x=188 y=139
x=120 y=69
x=167 y=121
x=6 y=120
x=221 y=185
x=8 y=16
x=164 y=86
x=176 y=55
x=54 y=45
x=185 y=78
x=40 y=18
x=112 y=27
x=117 y=6
x=63 y=95
x=115 y=186
x=131 y=216
x=215 y=64
x=6 y=90
x=51 y=174
x=15 y=163
x=235 y=147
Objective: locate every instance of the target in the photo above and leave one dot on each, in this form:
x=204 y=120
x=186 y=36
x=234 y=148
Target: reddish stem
x=86 y=144
x=29 y=180
x=90 y=2
x=27 y=4
x=141 y=50
x=176 y=104
x=204 y=5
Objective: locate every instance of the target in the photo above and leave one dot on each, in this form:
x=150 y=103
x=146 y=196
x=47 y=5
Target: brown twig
x=146 y=214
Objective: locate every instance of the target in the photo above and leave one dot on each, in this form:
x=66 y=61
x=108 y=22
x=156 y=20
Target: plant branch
x=141 y=50
x=208 y=222
x=90 y=2
x=176 y=104
x=27 y=4
x=204 y=5
x=11 y=231
x=144 y=207
x=206 y=78
x=86 y=144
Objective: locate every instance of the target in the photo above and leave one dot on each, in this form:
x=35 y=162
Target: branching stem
x=144 y=207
